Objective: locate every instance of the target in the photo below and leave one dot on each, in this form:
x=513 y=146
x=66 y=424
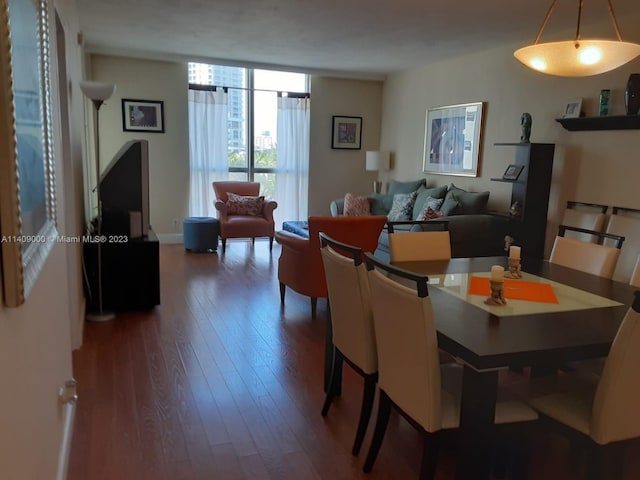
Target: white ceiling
x=361 y=38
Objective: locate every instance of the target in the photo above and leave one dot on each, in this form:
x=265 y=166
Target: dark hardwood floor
x=220 y=382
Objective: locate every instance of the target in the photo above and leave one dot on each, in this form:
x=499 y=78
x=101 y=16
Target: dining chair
x=625 y=221
x=351 y=319
x=635 y=275
x=584 y=256
x=422 y=244
x=603 y=415
x=590 y=216
x=410 y=376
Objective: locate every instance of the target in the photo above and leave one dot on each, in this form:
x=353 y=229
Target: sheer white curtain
x=292 y=177
x=208 y=113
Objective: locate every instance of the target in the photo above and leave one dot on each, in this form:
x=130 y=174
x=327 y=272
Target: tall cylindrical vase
x=632 y=94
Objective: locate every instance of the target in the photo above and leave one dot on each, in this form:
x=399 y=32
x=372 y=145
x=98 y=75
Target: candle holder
x=514 y=269
x=497 y=293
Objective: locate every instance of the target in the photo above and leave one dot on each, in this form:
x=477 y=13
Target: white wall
x=35 y=344
x=597 y=167
x=332 y=173
x=168 y=152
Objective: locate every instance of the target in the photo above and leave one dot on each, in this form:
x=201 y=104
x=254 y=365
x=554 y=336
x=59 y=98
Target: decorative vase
x=605 y=95
x=632 y=94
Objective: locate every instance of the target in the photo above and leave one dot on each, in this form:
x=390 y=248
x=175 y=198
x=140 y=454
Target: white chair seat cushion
x=571 y=408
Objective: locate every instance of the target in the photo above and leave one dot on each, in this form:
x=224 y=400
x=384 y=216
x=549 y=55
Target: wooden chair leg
x=270 y=244
x=521 y=451
x=368 y=395
x=253 y=241
x=597 y=456
x=314 y=306
x=224 y=245
x=430 y=449
x=384 y=410
x=336 y=377
x=282 y=289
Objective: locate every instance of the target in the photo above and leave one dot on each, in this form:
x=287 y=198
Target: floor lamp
x=98 y=92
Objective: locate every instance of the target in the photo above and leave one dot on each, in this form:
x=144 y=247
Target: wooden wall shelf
x=616 y=122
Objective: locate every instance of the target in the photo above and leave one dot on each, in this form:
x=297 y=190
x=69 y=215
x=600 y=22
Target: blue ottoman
x=201 y=234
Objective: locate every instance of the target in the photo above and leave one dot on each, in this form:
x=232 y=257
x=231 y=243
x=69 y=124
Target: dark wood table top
x=485 y=341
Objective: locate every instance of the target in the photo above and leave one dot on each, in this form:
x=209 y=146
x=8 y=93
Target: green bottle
x=604 y=102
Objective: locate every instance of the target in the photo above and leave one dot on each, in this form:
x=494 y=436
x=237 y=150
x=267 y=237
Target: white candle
x=497 y=273
x=514 y=252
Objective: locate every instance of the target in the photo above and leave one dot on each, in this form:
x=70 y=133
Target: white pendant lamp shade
x=580 y=57
x=376 y=161
x=577 y=59
x=97 y=90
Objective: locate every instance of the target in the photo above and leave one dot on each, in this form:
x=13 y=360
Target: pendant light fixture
x=579 y=57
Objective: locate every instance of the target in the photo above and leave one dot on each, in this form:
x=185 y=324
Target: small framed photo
x=142 y=115
x=347 y=132
x=512 y=172
x=573 y=108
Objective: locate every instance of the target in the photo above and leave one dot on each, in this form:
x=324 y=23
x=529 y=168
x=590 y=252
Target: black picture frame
x=346 y=132
x=512 y=172
x=142 y=115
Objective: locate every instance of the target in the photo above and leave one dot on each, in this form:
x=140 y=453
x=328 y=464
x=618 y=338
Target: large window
x=252 y=116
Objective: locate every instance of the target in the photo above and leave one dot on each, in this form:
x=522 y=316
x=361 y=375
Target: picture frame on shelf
x=346 y=132
x=573 y=108
x=512 y=172
x=142 y=115
x=452 y=139
x=27 y=189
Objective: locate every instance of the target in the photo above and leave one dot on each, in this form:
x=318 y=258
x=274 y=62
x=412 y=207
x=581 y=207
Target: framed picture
x=573 y=108
x=347 y=132
x=142 y=115
x=452 y=139
x=512 y=172
x=27 y=189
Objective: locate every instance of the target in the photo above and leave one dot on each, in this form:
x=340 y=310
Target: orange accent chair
x=300 y=266
x=243 y=226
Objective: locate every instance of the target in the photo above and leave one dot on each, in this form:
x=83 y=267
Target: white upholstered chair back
x=587 y=257
x=408 y=364
x=411 y=246
x=629 y=227
x=350 y=304
x=635 y=274
x=616 y=407
x=589 y=219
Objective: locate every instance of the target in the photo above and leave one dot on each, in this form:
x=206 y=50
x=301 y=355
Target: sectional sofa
x=474 y=231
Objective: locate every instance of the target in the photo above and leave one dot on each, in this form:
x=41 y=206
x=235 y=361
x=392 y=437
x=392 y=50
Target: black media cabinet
x=130 y=273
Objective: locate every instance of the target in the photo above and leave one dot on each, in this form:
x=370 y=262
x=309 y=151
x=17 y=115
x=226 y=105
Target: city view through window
x=252 y=104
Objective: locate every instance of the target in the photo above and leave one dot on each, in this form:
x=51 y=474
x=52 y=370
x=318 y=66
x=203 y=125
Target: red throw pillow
x=356 y=206
x=242 y=205
x=431 y=213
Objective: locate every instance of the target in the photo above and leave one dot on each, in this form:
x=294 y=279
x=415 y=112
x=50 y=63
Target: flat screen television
x=124 y=191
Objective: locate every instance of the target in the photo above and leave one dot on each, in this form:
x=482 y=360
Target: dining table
x=553 y=315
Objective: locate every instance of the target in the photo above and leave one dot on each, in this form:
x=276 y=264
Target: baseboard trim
x=170 y=237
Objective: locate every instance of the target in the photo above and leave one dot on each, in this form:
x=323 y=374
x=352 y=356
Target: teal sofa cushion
x=405 y=187
x=423 y=194
x=469 y=202
x=381 y=203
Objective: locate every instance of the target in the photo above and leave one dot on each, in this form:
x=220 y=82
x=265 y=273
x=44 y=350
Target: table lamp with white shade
x=98 y=92
x=375 y=162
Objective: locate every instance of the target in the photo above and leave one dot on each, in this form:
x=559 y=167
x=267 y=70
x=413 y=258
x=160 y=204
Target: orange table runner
x=516 y=290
